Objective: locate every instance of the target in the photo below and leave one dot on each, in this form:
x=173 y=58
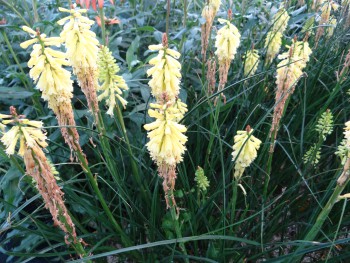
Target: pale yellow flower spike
x=208 y=13
x=28 y=132
x=273 y=44
x=226 y=43
x=165 y=73
x=82 y=50
x=280 y=20
x=53 y=81
x=289 y=71
x=244 y=150
x=273 y=40
x=167 y=141
x=32 y=141
x=251 y=62
x=216 y=4
x=112 y=84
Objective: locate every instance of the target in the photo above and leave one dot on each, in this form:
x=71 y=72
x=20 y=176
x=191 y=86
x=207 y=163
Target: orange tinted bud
x=100 y=3
x=113 y=21
x=98 y=20
x=93 y=3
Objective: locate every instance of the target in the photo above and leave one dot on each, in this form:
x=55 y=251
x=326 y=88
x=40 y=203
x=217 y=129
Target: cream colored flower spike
x=273 y=39
x=82 y=50
x=165 y=73
x=244 y=150
x=167 y=139
x=53 y=81
x=27 y=132
x=251 y=62
x=80 y=41
x=227 y=41
x=112 y=84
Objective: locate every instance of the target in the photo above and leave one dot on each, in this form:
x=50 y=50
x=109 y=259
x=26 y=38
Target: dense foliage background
x=270 y=229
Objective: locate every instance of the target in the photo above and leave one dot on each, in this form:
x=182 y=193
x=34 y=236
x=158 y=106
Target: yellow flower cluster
x=290 y=69
x=28 y=133
x=216 y=4
x=331 y=26
x=31 y=141
x=53 y=81
x=112 y=84
x=251 y=62
x=227 y=41
x=273 y=44
x=210 y=10
x=292 y=63
x=166 y=75
x=82 y=50
x=280 y=20
x=326 y=8
x=46 y=69
x=244 y=151
x=80 y=41
x=273 y=40
x=208 y=13
x=167 y=141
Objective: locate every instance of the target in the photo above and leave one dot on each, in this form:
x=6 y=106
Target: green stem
x=76 y=244
x=234 y=200
x=35 y=11
x=185 y=13
x=14 y=9
x=125 y=239
x=316 y=228
x=167 y=19
x=213 y=128
x=134 y=166
x=103 y=26
x=177 y=227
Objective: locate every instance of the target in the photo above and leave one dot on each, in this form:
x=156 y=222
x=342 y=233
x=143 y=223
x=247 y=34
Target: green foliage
x=260 y=228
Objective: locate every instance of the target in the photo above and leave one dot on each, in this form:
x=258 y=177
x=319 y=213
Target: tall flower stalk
x=32 y=141
x=290 y=70
x=342 y=182
x=56 y=87
x=167 y=139
x=111 y=91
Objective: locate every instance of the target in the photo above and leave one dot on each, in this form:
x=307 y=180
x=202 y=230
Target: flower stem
x=234 y=200
x=125 y=239
x=175 y=218
x=103 y=26
x=134 y=167
x=167 y=19
x=316 y=228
